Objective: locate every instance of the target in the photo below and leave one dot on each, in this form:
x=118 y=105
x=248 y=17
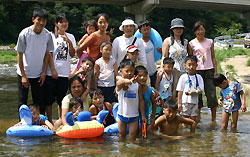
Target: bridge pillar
x=246 y=15
x=141 y=8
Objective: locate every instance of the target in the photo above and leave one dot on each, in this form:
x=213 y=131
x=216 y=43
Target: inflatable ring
x=83 y=127
x=156 y=39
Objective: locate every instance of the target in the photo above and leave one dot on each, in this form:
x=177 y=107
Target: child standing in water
x=165 y=79
x=168 y=123
x=188 y=87
x=232 y=100
x=105 y=71
x=130 y=100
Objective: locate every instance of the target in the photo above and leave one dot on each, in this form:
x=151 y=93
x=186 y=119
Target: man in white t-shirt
x=33 y=47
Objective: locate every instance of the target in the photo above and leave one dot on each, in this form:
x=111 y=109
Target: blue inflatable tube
x=156 y=39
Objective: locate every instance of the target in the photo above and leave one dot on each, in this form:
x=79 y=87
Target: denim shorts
x=128 y=120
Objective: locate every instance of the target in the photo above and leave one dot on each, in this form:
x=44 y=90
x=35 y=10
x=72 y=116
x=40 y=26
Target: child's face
x=35 y=115
x=127 y=72
x=90 y=29
x=145 y=30
x=39 y=23
x=133 y=55
x=102 y=23
x=106 y=51
x=142 y=77
x=63 y=25
x=200 y=32
x=76 y=88
x=76 y=107
x=191 y=66
x=97 y=100
x=87 y=66
x=224 y=84
x=168 y=68
x=170 y=113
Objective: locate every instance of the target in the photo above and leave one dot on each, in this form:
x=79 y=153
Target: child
x=90 y=26
x=133 y=53
x=188 y=87
x=105 y=72
x=232 y=99
x=75 y=106
x=165 y=79
x=129 y=98
x=145 y=30
x=84 y=72
x=98 y=104
x=37 y=118
x=33 y=47
x=142 y=75
x=168 y=123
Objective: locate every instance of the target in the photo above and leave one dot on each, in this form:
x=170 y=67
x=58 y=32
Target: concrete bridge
x=141 y=7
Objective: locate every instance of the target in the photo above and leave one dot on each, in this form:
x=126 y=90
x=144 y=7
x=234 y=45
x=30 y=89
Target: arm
x=159 y=121
x=72 y=50
x=25 y=81
x=152 y=122
x=190 y=122
x=165 y=49
x=64 y=112
x=96 y=74
x=87 y=90
x=179 y=99
x=158 y=80
x=45 y=67
x=116 y=69
x=142 y=104
x=189 y=50
x=213 y=59
x=88 y=41
x=243 y=100
x=82 y=40
x=121 y=82
x=49 y=125
x=52 y=66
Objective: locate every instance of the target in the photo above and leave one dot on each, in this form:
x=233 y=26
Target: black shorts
x=109 y=94
x=56 y=89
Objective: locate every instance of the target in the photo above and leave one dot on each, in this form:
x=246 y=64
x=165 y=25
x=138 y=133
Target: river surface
x=207 y=141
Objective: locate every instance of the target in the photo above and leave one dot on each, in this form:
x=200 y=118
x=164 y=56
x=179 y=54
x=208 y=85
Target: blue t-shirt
x=231 y=97
x=44 y=118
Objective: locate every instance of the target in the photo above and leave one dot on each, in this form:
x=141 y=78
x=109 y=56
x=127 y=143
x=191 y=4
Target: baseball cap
x=131 y=48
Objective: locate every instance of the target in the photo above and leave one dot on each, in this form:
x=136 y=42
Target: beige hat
x=127 y=22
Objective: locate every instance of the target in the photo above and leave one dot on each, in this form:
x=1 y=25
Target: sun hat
x=131 y=48
x=177 y=23
x=127 y=22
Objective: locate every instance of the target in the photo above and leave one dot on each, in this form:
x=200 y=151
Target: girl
x=90 y=26
x=59 y=69
x=105 y=71
x=177 y=48
x=84 y=73
x=203 y=48
x=93 y=42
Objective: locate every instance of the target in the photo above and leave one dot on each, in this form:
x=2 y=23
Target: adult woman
x=59 y=69
x=77 y=88
x=203 y=48
x=177 y=48
x=121 y=43
x=93 y=42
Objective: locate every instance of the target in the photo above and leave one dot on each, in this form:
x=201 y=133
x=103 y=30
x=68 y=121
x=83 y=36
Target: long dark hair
x=59 y=18
x=172 y=37
x=76 y=77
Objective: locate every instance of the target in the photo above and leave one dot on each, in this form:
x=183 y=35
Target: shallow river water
x=207 y=141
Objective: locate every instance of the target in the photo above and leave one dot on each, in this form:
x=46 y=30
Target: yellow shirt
x=66 y=99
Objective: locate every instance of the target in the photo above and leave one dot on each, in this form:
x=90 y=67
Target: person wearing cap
x=177 y=48
x=133 y=53
x=121 y=43
x=203 y=48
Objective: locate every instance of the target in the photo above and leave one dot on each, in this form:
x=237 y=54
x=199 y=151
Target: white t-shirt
x=33 y=46
x=165 y=86
x=120 y=45
x=149 y=50
x=183 y=85
x=61 y=55
x=106 y=76
x=129 y=101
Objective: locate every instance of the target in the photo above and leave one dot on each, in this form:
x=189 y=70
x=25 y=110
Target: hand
x=54 y=74
x=159 y=49
x=111 y=30
x=243 y=108
x=25 y=82
x=220 y=102
x=144 y=120
x=18 y=124
x=179 y=107
x=42 y=79
x=133 y=80
x=45 y=126
x=65 y=38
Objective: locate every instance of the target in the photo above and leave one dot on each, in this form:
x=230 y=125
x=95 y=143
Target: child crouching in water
x=75 y=106
x=98 y=105
x=168 y=123
x=130 y=100
x=37 y=118
x=232 y=100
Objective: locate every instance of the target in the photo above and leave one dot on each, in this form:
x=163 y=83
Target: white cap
x=127 y=22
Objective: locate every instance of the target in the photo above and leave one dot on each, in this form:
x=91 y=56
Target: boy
x=145 y=30
x=188 y=87
x=232 y=99
x=130 y=100
x=168 y=123
x=33 y=47
x=165 y=79
x=133 y=53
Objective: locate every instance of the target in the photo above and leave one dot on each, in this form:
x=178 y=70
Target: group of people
x=125 y=72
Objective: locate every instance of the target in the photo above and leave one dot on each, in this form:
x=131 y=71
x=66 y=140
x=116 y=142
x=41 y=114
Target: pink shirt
x=202 y=50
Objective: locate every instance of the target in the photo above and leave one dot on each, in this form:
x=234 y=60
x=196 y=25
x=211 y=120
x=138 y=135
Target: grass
x=8 y=57
x=248 y=62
